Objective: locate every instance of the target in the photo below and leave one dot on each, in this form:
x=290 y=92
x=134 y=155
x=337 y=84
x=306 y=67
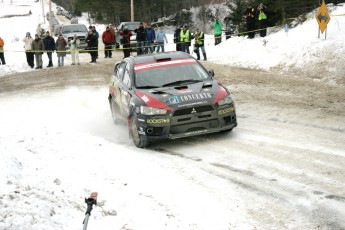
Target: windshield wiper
x=180 y=82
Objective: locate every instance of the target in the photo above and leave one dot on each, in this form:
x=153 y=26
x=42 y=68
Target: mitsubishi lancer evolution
x=168 y=95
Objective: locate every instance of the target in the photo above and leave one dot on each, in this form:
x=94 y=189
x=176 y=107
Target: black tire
x=114 y=111
x=137 y=140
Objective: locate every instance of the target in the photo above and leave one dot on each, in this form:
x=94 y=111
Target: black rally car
x=167 y=96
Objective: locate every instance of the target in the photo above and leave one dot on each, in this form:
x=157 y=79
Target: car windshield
x=170 y=73
x=132 y=26
x=72 y=29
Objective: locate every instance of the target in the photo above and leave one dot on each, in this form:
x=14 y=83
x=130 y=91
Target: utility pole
x=132 y=11
x=50 y=18
x=44 y=18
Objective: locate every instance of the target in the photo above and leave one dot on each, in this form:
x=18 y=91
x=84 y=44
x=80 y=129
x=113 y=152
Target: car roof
x=156 y=57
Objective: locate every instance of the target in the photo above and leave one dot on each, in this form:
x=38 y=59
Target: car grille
x=194 y=119
x=199 y=109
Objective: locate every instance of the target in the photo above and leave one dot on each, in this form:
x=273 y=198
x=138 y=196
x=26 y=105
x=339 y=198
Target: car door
x=116 y=81
x=126 y=89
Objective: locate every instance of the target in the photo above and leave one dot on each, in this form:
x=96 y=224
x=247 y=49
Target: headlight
x=152 y=111
x=226 y=101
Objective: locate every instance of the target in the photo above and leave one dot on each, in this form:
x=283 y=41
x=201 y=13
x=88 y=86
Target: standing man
x=96 y=34
x=150 y=39
x=108 y=39
x=199 y=37
x=2 y=55
x=141 y=37
x=177 y=38
x=185 y=38
x=218 y=26
x=28 y=49
x=49 y=47
x=75 y=43
x=250 y=20
x=38 y=47
x=161 y=37
x=92 y=43
x=126 y=42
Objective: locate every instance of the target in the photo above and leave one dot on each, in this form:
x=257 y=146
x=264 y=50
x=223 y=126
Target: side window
x=126 y=78
x=121 y=70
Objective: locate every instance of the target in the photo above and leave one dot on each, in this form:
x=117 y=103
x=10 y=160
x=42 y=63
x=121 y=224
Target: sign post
x=322 y=18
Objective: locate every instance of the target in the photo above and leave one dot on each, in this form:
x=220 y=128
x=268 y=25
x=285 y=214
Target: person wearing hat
x=141 y=38
x=177 y=38
x=61 y=49
x=185 y=39
x=125 y=41
x=49 y=47
x=2 y=56
x=28 y=49
x=199 y=38
x=108 y=39
x=37 y=48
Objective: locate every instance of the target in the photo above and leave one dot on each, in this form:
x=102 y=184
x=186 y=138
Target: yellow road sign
x=322 y=17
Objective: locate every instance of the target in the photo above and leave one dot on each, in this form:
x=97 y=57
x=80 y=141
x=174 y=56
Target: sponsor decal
x=152 y=65
x=158 y=120
x=174 y=100
x=195 y=96
x=196 y=132
x=192 y=104
x=227 y=110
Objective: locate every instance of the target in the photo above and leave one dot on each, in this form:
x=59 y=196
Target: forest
x=178 y=12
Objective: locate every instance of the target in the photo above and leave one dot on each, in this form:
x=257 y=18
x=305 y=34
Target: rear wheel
x=137 y=140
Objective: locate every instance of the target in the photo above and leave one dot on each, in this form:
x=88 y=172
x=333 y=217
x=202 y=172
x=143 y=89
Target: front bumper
x=186 y=122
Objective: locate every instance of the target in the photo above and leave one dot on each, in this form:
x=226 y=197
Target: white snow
x=56 y=150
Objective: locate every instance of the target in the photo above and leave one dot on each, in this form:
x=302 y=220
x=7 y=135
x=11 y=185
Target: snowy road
x=58 y=143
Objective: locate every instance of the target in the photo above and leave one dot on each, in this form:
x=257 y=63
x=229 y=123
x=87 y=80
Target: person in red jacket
x=108 y=39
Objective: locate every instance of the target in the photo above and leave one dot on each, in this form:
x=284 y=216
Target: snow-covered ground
x=56 y=147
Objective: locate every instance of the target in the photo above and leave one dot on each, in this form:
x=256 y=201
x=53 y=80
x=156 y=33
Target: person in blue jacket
x=150 y=39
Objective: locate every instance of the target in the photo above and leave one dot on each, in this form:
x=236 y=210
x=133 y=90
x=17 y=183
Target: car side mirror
x=211 y=72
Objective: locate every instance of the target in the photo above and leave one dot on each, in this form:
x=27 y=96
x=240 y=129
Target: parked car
x=168 y=95
x=131 y=27
x=80 y=30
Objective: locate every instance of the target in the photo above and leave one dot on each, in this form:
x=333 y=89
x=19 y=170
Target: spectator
x=177 y=38
x=185 y=38
x=218 y=26
x=61 y=49
x=108 y=39
x=28 y=49
x=38 y=47
x=96 y=34
x=92 y=43
x=75 y=43
x=150 y=39
x=2 y=55
x=49 y=47
x=126 y=42
x=161 y=37
x=199 y=37
x=250 y=20
x=262 y=18
x=141 y=37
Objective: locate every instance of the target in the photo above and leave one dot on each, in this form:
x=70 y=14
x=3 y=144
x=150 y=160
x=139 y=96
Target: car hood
x=192 y=95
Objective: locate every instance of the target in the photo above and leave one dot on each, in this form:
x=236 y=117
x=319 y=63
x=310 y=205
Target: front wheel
x=137 y=140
